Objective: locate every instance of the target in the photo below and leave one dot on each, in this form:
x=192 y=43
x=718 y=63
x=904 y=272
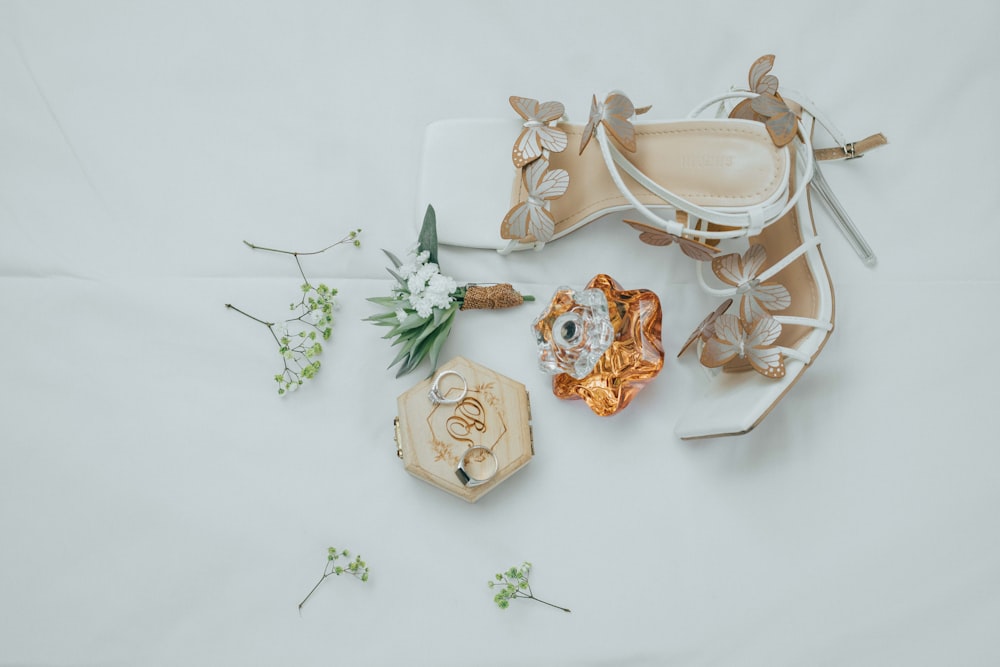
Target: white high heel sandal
x=786 y=310
x=726 y=170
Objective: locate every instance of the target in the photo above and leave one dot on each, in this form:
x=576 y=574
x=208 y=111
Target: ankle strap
x=844 y=150
x=851 y=150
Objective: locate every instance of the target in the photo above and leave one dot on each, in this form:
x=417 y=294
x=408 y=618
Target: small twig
x=246 y=314
x=352 y=236
x=321 y=580
x=304 y=279
x=513 y=583
x=544 y=602
x=357 y=568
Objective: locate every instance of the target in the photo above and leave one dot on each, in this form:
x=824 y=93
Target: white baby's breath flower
x=438 y=297
x=400 y=315
x=442 y=283
x=413 y=262
x=439 y=300
x=407 y=268
x=422 y=305
x=416 y=284
x=427 y=270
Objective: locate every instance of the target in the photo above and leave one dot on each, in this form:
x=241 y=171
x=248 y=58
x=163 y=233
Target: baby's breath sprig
x=298 y=337
x=513 y=584
x=356 y=568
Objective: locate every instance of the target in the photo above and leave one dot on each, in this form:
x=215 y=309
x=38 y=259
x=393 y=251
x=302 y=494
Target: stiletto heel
x=839 y=215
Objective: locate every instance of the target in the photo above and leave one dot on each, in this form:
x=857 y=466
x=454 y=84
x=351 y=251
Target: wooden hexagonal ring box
x=485 y=425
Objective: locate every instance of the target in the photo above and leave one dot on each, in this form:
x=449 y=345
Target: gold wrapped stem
x=491 y=297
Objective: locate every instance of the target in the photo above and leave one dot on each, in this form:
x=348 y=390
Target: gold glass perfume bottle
x=602 y=344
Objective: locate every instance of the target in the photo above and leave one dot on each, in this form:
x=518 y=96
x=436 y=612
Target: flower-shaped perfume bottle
x=602 y=344
x=573 y=332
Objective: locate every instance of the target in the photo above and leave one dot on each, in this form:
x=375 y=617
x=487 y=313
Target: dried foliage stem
x=352 y=236
x=246 y=314
x=356 y=568
x=299 y=344
x=513 y=584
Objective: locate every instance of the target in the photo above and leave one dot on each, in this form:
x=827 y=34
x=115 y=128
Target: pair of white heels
x=696 y=183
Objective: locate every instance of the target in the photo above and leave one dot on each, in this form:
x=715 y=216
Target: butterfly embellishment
x=761 y=82
x=752 y=342
x=537 y=134
x=530 y=216
x=781 y=123
x=658 y=237
x=706 y=329
x=756 y=298
x=768 y=107
x=615 y=113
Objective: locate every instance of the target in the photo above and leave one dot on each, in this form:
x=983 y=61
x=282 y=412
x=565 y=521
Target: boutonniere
x=422 y=304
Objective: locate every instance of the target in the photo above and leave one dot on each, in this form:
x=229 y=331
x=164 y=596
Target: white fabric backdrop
x=160 y=505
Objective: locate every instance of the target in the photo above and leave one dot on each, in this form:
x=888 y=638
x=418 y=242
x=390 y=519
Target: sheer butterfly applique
x=768 y=107
x=616 y=114
x=761 y=82
x=706 y=329
x=781 y=123
x=658 y=237
x=756 y=298
x=530 y=216
x=537 y=133
x=752 y=342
